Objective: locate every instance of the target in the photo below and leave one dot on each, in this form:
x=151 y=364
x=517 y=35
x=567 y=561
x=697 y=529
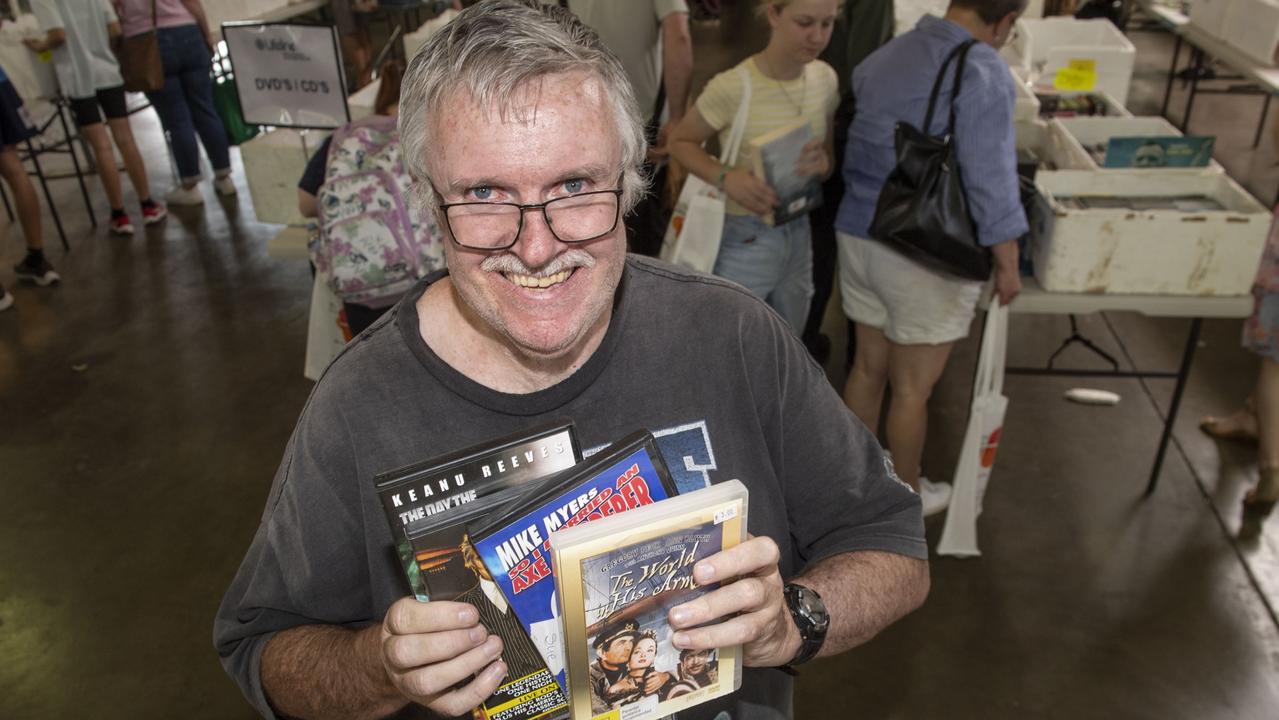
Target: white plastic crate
x=1253 y=27
x=1210 y=15
x=273 y=164
x=1114 y=108
x=1026 y=107
x=1072 y=137
x=1054 y=42
x=1159 y=252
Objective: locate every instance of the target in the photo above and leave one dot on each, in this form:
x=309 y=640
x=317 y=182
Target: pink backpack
x=373 y=243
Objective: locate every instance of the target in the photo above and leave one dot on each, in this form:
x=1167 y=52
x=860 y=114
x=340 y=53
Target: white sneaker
x=935 y=496
x=184 y=196
x=224 y=185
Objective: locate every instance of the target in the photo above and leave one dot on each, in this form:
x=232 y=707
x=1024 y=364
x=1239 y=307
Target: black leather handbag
x=922 y=212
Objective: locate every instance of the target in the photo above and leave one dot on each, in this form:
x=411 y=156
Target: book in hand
x=429 y=505
x=618 y=580
x=513 y=542
x=775 y=156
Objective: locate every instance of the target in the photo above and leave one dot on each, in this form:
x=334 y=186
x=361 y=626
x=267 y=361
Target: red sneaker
x=120 y=225
x=153 y=213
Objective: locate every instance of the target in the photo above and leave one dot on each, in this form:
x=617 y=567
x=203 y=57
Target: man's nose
x=536 y=244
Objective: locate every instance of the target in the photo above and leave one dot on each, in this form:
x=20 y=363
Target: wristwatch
x=810 y=616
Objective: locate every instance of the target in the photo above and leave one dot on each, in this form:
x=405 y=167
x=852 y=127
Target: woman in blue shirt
x=908 y=317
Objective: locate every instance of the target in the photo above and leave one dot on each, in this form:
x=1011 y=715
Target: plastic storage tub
x=1072 y=136
x=1210 y=15
x=1157 y=252
x=1253 y=27
x=1026 y=107
x=1052 y=43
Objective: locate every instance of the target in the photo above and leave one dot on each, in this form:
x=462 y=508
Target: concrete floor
x=145 y=402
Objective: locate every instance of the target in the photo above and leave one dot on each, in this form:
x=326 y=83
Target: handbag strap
x=154 y=21
x=728 y=154
x=960 y=51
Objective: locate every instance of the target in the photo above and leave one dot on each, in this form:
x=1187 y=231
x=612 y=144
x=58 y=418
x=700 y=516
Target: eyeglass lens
x=572 y=219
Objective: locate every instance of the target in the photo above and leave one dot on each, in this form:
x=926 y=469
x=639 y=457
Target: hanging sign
x=288 y=75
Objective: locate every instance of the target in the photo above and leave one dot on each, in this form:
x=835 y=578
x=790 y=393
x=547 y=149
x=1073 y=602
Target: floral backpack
x=373 y=243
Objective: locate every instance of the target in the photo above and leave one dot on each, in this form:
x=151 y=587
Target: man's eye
x=574 y=186
x=481 y=193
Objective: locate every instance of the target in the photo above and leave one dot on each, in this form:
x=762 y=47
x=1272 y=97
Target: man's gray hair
x=492 y=50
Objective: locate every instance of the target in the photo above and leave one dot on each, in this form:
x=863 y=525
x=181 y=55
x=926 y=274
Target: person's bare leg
x=96 y=134
x=122 y=133
x=864 y=389
x=1266 y=404
x=24 y=197
x=913 y=370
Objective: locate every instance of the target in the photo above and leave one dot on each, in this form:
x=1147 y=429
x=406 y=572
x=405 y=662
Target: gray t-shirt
x=717 y=376
x=84 y=63
x=632 y=31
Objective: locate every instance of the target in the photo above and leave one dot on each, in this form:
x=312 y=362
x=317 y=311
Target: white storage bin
x=1159 y=252
x=1253 y=27
x=1210 y=15
x=1114 y=108
x=1054 y=42
x=1026 y=107
x=1072 y=137
x=273 y=164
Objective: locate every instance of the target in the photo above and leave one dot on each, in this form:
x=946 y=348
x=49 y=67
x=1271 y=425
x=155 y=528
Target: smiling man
x=523 y=135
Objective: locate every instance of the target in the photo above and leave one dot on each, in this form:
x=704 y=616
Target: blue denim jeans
x=775 y=263
x=185 y=104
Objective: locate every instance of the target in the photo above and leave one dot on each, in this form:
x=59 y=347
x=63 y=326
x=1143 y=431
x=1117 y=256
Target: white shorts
x=911 y=304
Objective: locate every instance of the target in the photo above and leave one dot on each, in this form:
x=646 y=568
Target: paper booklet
x=774 y=156
x=513 y=542
x=619 y=578
x=428 y=506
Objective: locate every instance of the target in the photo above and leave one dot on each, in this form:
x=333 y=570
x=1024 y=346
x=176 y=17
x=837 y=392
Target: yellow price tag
x=1077 y=75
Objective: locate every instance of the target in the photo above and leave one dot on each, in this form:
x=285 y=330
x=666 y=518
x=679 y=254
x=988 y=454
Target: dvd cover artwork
x=516 y=547
x=435 y=495
x=628 y=594
x=428 y=506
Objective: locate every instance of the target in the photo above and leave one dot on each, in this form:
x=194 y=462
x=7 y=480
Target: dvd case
x=512 y=542
x=617 y=580
x=428 y=506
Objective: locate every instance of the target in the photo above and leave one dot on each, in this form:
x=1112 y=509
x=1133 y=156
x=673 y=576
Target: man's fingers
x=745 y=595
x=750 y=557
x=408 y=616
x=406 y=652
x=438 y=679
x=471 y=695
x=740 y=630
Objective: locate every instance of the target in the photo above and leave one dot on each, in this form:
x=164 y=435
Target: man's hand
x=1007 y=284
x=655 y=681
x=33 y=44
x=749 y=191
x=430 y=651
x=813 y=161
x=658 y=150
x=749 y=611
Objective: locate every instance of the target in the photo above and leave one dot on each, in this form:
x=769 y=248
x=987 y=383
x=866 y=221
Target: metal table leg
x=1172 y=73
x=1196 y=68
x=1265 y=109
x=75 y=162
x=53 y=209
x=1182 y=375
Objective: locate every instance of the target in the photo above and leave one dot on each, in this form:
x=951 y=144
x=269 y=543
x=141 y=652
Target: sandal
x=1261 y=499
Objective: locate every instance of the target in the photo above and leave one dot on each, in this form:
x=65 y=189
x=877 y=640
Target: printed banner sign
x=288 y=75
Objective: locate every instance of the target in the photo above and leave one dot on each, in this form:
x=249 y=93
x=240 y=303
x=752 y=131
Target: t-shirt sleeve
x=47 y=15
x=108 y=12
x=313 y=175
x=718 y=102
x=302 y=568
x=840 y=490
x=662 y=8
x=830 y=85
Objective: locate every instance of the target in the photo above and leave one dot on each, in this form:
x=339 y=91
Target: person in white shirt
x=79 y=34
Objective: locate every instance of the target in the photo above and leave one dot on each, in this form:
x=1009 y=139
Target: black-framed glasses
x=497 y=225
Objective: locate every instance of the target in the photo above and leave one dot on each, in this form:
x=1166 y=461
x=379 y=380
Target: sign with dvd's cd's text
x=288 y=75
